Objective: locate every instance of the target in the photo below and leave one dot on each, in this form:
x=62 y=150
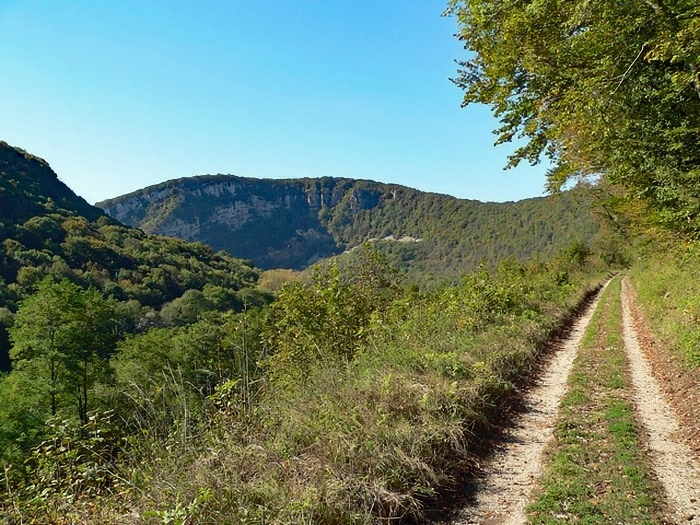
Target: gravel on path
x=513 y=471
x=672 y=459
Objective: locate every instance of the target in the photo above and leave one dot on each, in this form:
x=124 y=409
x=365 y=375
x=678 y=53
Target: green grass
x=597 y=472
x=669 y=293
x=362 y=440
x=374 y=439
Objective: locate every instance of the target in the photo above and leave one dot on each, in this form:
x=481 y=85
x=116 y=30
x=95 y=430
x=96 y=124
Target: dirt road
x=672 y=460
x=515 y=468
x=509 y=477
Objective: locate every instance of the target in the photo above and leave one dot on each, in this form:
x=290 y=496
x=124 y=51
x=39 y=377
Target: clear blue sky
x=120 y=94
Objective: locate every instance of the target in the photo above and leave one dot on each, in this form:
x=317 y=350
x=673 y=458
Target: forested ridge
x=293 y=223
x=50 y=233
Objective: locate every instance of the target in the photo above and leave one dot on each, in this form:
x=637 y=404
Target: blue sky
x=118 y=95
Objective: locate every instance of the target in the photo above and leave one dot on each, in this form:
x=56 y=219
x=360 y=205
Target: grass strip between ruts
x=597 y=471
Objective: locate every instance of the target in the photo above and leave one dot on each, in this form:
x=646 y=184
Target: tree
x=608 y=87
x=331 y=316
x=64 y=334
x=40 y=336
x=94 y=326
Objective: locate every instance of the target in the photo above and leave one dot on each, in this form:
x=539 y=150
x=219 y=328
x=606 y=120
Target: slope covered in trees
x=29 y=188
x=293 y=223
x=47 y=231
x=349 y=397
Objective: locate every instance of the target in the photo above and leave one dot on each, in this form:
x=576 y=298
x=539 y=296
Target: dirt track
x=509 y=477
x=672 y=459
x=516 y=466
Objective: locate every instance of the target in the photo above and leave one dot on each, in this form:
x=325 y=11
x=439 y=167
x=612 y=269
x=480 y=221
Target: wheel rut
x=509 y=476
x=673 y=461
x=504 y=490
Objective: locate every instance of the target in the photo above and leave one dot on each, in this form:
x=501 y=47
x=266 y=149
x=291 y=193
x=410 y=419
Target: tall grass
x=669 y=291
x=370 y=434
x=375 y=437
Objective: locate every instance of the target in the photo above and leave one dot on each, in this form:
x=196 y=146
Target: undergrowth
x=669 y=292
x=366 y=404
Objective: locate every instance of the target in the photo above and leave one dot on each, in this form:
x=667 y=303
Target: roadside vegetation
x=597 y=471
x=669 y=291
x=350 y=399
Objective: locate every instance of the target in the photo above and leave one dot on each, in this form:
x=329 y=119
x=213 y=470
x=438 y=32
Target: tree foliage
x=330 y=316
x=600 y=87
x=64 y=336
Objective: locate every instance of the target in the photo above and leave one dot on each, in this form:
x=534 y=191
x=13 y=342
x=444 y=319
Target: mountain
x=295 y=222
x=48 y=231
x=29 y=187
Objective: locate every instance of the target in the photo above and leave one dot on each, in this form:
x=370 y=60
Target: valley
x=352 y=391
x=340 y=341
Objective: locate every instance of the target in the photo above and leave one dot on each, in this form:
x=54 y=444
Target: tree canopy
x=65 y=334
x=603 y=87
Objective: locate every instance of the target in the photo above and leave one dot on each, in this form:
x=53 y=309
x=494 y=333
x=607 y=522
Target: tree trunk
x=53 y=386
x=84 y=393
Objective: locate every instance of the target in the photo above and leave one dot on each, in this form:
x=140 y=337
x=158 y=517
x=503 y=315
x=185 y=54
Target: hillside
x=447 y=361
x=47 y=230
x=28 y=187
x=293 y=223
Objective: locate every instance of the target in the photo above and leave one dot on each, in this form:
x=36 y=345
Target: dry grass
x=371 y=440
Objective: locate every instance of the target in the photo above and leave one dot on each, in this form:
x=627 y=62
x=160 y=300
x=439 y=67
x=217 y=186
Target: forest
x=293 y=223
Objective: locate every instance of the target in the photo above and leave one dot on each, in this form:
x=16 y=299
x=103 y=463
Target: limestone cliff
x=294 y=222
x=274 y=223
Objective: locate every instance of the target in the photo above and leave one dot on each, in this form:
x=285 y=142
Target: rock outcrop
x=293 y=223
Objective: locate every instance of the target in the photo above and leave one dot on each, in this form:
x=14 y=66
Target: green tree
x=329 y=317
x=64 y=334
x=40 y=336
x=23 y=414
x=95 y=333
x=608 y=87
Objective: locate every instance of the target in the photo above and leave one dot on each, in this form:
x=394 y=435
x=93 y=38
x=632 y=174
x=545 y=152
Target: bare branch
x=624 y=76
